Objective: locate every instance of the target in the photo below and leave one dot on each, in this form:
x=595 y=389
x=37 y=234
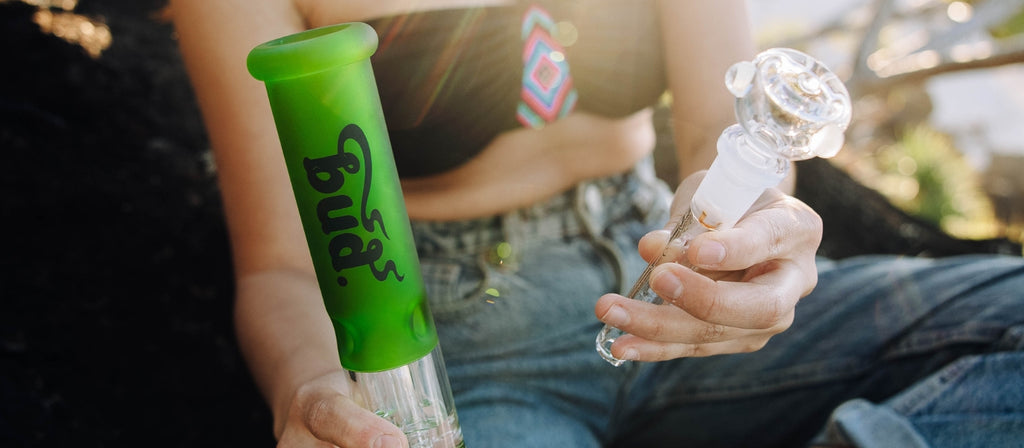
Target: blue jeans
x=888 y=351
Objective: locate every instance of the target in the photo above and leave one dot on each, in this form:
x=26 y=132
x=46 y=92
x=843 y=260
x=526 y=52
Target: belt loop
x=651 y=197
x=590 y=209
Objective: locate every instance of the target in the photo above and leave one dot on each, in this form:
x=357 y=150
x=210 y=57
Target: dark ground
x=116 y=290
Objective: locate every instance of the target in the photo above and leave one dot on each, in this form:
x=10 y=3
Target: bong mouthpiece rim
x=312 y=51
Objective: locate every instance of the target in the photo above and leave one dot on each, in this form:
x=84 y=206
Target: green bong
x=336 y=148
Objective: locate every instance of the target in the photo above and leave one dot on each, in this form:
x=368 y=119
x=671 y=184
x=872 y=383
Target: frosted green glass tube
x=339 y=159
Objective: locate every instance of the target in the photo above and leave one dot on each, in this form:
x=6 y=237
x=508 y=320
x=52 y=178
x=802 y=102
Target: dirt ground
x=115 y=295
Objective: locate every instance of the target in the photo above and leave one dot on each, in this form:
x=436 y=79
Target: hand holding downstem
x=789 y=107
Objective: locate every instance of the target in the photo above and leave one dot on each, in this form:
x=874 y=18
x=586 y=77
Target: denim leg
x=513 y=298
x=520 y=358
x=873 y=328
x=974 y=402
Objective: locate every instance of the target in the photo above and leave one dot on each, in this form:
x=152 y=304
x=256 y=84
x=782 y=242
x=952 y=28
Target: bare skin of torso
x=521 y=166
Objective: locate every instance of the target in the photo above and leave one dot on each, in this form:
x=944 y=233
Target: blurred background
x=115 y=293
x=939 y=90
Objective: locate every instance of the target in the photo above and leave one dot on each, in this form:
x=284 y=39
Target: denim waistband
x=585 y=209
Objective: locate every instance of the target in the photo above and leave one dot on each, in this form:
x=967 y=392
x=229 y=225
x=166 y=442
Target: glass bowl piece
x=794 y=105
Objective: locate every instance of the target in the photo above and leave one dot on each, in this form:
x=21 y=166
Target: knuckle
x=697 y=351
x=808 y=222
x=771 y=234
x=776 y=239
x=815 y=221
x=812 y=281
x=812 y=220
x=711 y=333
x=306 y=393
x=796 y=222
x=784 y=323
x=657 y=329
x=661 y=353
x=773 y=313
x=754 y=346
x=709 y=308
x=319 y=413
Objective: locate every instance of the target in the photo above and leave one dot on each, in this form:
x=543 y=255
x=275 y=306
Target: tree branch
x=1011 y=55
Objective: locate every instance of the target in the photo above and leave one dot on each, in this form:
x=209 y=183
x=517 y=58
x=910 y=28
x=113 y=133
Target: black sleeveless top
x=451 y=80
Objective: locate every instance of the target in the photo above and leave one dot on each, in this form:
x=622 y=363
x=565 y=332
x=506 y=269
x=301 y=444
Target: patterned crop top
x=451 y=80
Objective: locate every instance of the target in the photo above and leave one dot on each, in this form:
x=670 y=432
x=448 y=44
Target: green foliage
x=936 y=182
x=1011 y=27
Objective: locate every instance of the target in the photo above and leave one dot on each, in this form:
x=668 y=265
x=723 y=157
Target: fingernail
x=710 y=253
x=667 y=285
x=616 y=316
x=630 y=354
x=387 y=441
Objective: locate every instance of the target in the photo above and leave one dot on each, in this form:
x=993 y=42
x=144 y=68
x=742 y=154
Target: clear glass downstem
x=675 y=248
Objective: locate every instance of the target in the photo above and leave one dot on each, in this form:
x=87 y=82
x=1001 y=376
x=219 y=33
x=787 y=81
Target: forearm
x=284 y=333
x=695 y=143
x=702 y=40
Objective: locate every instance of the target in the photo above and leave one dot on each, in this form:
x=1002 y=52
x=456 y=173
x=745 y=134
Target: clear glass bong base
x=678 y=242
x=415 y=397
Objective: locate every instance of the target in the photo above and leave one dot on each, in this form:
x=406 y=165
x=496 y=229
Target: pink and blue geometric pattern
x=548 y=93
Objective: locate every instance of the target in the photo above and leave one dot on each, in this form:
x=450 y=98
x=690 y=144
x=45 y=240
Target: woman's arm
x=282 y=326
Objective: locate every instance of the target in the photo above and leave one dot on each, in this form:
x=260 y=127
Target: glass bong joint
x=789 y=107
